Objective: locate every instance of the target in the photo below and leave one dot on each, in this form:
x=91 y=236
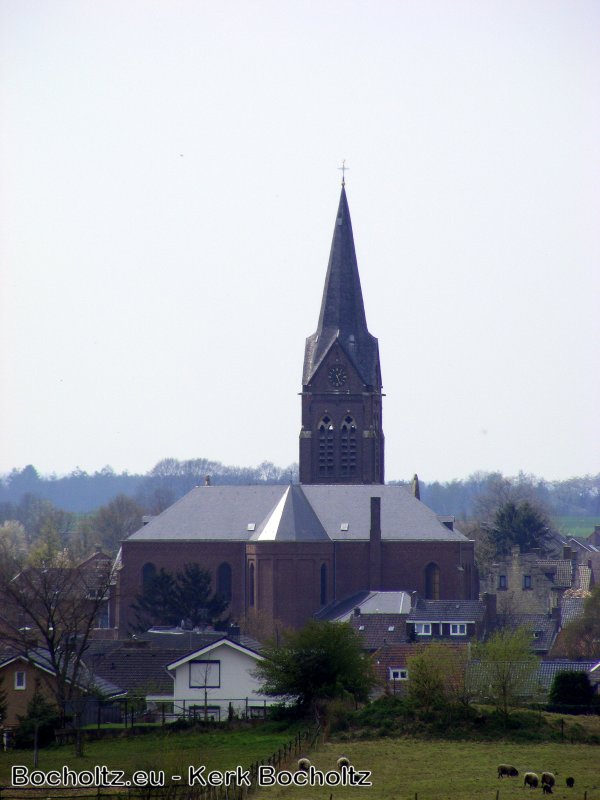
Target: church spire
x=342 y=314
x=341 y=440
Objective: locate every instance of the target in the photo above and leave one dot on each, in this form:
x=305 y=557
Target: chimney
x=233 y=632
x=567 y=553
x=207 y=480
x=416 y=489
x=491 y=611
x=357 y=612
x=375 y=545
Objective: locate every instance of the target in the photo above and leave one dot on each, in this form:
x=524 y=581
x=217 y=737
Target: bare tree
x=49 y=606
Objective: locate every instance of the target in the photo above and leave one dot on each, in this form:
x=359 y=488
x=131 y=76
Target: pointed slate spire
x=292 y=519
x=342 y=314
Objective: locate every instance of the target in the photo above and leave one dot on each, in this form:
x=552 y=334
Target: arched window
x=432 y=582
x=348 y=446
x=148 y=574
x=323 y=584
x=251 y=585
x=326 y=444
x=224 y=581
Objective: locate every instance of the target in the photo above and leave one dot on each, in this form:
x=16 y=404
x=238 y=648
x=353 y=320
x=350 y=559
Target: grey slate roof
x=342 y=314
x=543 y=627
x=224 y=513
x=571 y=608
x=291 y=520
x=447 y=611
x=377 y=630
x=369 y=603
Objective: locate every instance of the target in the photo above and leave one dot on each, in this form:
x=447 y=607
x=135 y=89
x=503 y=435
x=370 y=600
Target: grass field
x=403 y=769
x=576 y=526
x=172 y=751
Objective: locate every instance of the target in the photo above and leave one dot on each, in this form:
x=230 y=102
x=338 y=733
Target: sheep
x=303 y=764
x=343 y=761
x=548 y=779
x=507 y=770
x=531 y=780
x=570 y=782
x=546 y=788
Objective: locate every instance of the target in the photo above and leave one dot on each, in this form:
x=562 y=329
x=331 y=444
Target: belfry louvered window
x=326 y=444
x=348 y=446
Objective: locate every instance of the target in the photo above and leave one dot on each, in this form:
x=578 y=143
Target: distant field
x=576 y=526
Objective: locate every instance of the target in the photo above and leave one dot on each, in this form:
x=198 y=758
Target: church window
x=348 y=446
x=251 y=585
x=224 y=581
x=323 y=584
x=148 y=574
x=432 y=582
x=326 y=444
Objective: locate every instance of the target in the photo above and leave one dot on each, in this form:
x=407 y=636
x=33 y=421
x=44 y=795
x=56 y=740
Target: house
x=452 y=620
x=21 y=675
x=378 y=617
x=215 y=681
x=283 y=553
x=392 y=663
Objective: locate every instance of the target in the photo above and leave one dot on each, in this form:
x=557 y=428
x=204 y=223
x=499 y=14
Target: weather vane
x=343 y=169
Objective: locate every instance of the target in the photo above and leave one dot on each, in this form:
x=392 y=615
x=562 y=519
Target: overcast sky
x=169 y=182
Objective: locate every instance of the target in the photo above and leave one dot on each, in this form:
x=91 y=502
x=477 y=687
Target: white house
x=207 y=682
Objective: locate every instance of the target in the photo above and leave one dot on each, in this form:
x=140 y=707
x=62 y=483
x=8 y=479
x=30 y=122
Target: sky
x=169 y=179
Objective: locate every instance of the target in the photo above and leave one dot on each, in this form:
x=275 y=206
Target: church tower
x=341 y=440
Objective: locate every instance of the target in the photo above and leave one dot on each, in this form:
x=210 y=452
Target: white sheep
x=343 y=761
x=507 y=770
x=303 y=764
x=531 y=780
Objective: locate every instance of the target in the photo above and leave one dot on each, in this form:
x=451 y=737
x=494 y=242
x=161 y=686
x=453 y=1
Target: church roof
x=292 y=520
x=342 y=314
x=241 y=513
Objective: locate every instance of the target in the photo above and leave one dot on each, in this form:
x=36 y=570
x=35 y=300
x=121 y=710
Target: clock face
x=337 y=376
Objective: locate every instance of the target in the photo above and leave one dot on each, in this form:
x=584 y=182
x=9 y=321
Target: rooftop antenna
x=343 y=169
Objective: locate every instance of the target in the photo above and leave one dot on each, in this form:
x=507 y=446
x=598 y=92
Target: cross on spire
x=343 y=169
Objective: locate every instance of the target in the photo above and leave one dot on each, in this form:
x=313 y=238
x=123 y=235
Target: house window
x=458 y=629
x=148 y=574
x=224 y=581
x=103 y=617
x=323 y=584
x=502 y=582
x=527 y=582
x=251 y=585
x=205 y=674
x=20 y=681
x=432 y=582
x=423 y=628
x=397 y=674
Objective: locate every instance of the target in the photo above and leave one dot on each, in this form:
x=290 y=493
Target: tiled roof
x=543 y=628
x=234 y=513
x=561 y=569
x=571 y=609
x=447 y=611
x=367 y=603
x=549 y=669
x=584 y=577
x=377 y=630
x=393 y=656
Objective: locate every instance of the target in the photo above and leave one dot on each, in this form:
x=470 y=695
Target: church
x=288 y=552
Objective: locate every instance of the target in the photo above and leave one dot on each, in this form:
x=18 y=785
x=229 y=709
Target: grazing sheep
x=546 y=788
x=508 y=770
x=548 y=779
x=303 y=764
x=531 y=780
x=570 y=782
x=343 y=761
